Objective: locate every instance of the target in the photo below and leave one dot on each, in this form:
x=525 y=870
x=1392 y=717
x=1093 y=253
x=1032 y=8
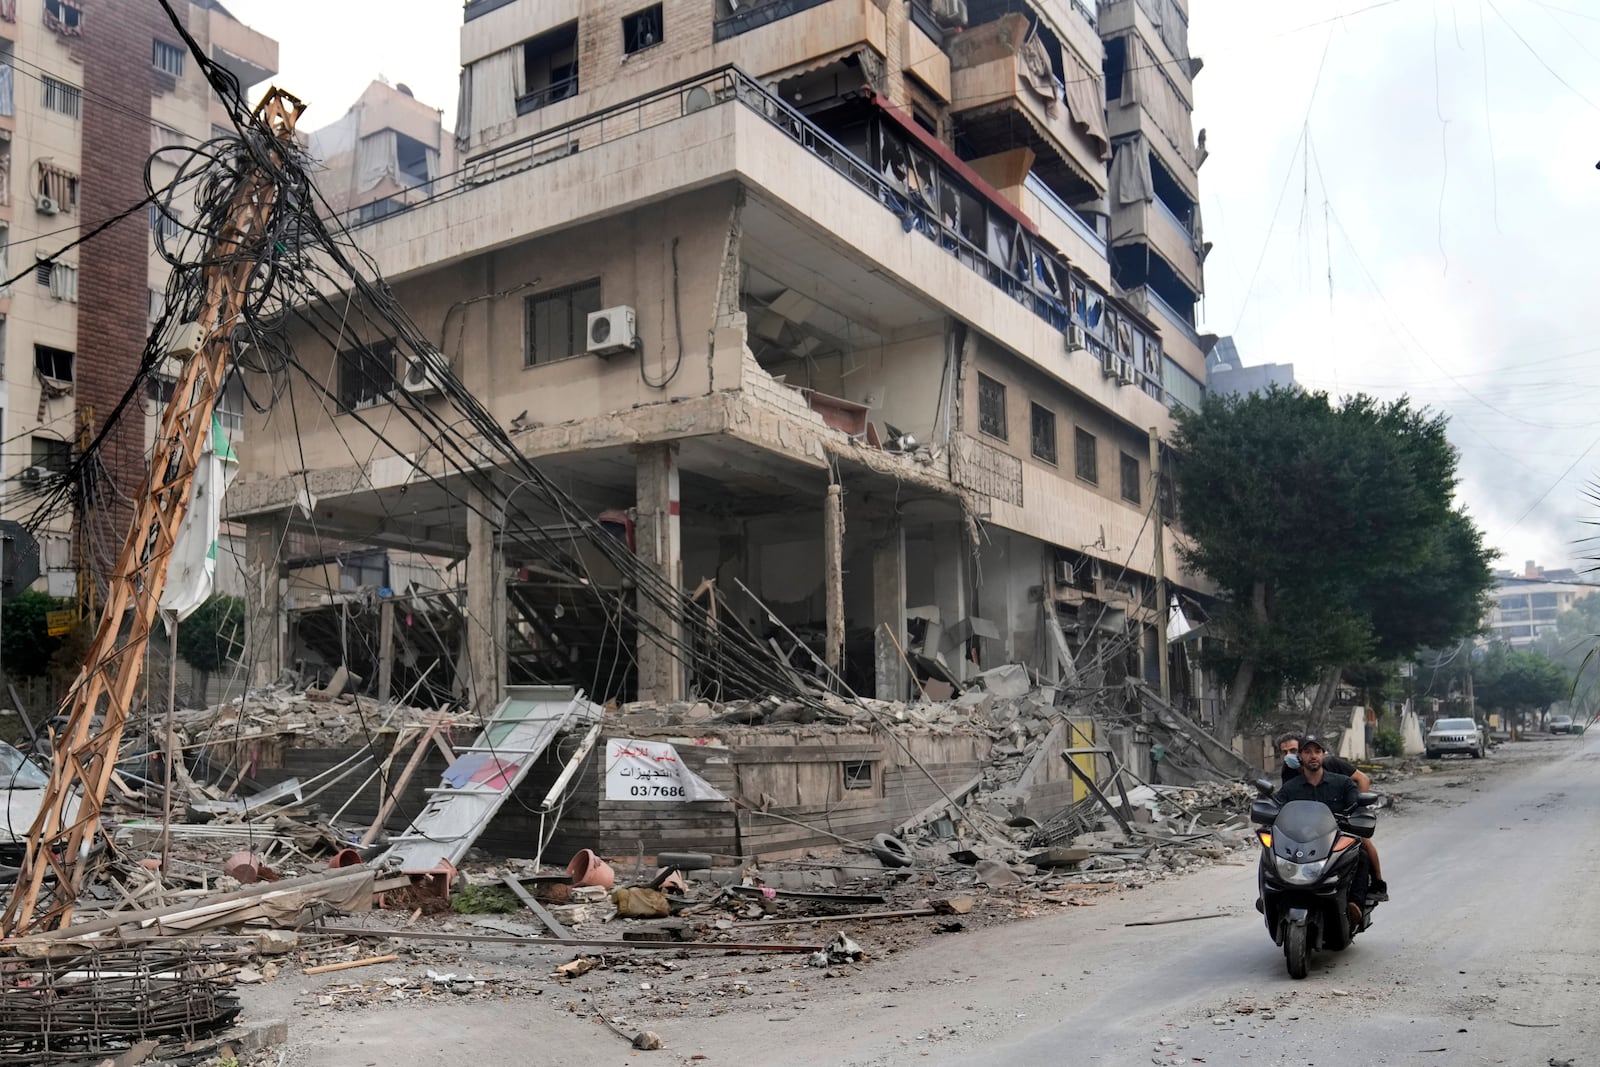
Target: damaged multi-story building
x=874 y=309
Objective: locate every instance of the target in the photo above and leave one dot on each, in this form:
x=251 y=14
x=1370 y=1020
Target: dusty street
x=1487 y=954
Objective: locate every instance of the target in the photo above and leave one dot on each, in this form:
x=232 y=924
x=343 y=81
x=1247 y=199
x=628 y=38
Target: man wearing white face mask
x=1289 y=748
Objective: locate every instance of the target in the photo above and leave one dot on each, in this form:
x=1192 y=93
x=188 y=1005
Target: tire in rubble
x=891 y=851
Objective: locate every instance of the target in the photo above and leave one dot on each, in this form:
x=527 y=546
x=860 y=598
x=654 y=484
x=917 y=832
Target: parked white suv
x=1453 y=735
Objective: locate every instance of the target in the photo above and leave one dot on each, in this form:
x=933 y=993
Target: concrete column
x=660 y=545
x=833 y=575
x=266 y=579
x=486 y=604
x=950 y=556
x=889 y=610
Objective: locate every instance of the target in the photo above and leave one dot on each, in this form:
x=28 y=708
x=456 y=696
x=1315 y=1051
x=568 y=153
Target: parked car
x=23 y=783
x=1454 y=735
x=1563 y=724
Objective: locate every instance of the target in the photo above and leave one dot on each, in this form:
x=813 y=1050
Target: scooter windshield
x=1305 y=822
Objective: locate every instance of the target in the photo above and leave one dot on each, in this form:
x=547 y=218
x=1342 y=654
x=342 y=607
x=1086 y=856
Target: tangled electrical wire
x=312 y=290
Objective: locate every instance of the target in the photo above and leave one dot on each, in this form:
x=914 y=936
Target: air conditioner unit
x=1077 y=338
x=32 y=477
x=1065 y=574
x=1108 y=363
x=612 y=330
x=418 y=379
x=47 y=206
x=1126 y=375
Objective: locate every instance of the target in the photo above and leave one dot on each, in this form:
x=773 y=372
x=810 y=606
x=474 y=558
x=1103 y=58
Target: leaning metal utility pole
x=86 y=754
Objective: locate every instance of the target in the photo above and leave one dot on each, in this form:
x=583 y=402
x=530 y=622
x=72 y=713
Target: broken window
x=59 y=96
x=52 y=363
x=56 y=189
x=1130 y=479
x=52 y=453
x=549 y=68
x=167 y=58
x=411 y=160
x=925 y=119
x=63 y=17
x=1044 y=434
x=642 y=29
x=557 y=322
x=991 y=407
x=366 y=375
x=1084 y=456
x=858 y=774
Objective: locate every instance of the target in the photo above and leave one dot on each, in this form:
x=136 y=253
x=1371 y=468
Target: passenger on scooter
x=1289 y=747
x=1339 y=793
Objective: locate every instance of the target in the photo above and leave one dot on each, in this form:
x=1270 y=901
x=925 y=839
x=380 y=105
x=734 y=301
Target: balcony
x=999 y=104
x=1151 y=223
x=734 y=19
x=250 y=56
x=1059 y=209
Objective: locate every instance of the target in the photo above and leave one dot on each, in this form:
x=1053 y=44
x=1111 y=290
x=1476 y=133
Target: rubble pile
x=300 y=717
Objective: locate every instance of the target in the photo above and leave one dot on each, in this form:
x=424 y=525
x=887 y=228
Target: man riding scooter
x=1289 y=747
x=1340 y=793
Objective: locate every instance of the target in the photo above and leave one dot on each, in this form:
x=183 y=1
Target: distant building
x=1226 y=372
x=387 y=152
x=1527 y=604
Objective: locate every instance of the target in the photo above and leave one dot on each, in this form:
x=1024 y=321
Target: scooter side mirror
x=1367 y=800
x=1264 y=786
x=1264 y=812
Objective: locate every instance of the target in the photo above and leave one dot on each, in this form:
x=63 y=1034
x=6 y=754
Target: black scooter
x=1310 y=858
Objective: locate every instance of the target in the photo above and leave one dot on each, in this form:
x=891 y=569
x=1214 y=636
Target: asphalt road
x=1489 y=953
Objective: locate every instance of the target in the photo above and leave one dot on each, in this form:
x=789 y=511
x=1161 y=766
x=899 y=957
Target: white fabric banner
x=651 y=770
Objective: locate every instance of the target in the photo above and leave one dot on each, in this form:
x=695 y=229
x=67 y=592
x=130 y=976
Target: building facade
x=1525 y=605
x=1227 y=374
x=87 y=93
x=919 y=270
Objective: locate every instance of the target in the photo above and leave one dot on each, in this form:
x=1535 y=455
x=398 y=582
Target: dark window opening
x=1130 y=479
x=159 y=388
x=411 y=160
x=1171 y=194
x=366 y=375
x=1044 y=434
x=1136 y=265
x=1086 y=461
x=558 y=322
x=642 y=29
x=52 y=363
x=1115 y=66
x=1167 y=499
x=63 y=17
x=858 y=774
x=925 y=119
x=52 y=453
x=549 y=68
x=991 y=407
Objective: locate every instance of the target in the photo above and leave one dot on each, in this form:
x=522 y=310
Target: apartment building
x=87 y=93
x=1525 y=605
x=741 y=274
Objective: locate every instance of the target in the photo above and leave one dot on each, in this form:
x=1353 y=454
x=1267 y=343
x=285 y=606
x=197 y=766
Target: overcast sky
x=1402 y=196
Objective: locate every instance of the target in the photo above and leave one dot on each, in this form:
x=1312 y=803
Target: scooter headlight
x=1300 y=873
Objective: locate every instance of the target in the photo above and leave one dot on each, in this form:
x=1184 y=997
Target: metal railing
x=558 y=90
x=756 y=14
x=1059 y=208
x=1171 y=314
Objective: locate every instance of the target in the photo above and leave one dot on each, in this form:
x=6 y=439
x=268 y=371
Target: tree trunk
x=1227 y=723
x=1323 y=700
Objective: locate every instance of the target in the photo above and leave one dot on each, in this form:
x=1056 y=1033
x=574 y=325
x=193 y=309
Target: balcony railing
x=1172 y=218
x=476 y=8
x=557 y=90
x=1168 y=312
x=756 y=14
x=1058 y=207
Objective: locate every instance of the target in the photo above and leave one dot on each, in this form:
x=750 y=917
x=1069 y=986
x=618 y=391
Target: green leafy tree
x=206 y=638
x=1313 y=519
x=25 y=640
x=1519 y=682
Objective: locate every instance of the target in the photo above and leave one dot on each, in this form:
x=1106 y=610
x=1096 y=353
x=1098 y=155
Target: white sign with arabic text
x=651 y=770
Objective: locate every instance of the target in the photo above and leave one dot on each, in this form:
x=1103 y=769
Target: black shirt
x=1331 y=764
x=1337 y=791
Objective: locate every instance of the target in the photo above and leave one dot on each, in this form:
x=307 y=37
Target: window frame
x=1035 y=410
x=1085 y=446
x=160 y=50
x=1003 y=433
x=47 y=359
x=859 y=776
x=362 y=373
x=578 y=336
x=52 y=88
x=1130 y=464
x=660 y=26
x=56 y=457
